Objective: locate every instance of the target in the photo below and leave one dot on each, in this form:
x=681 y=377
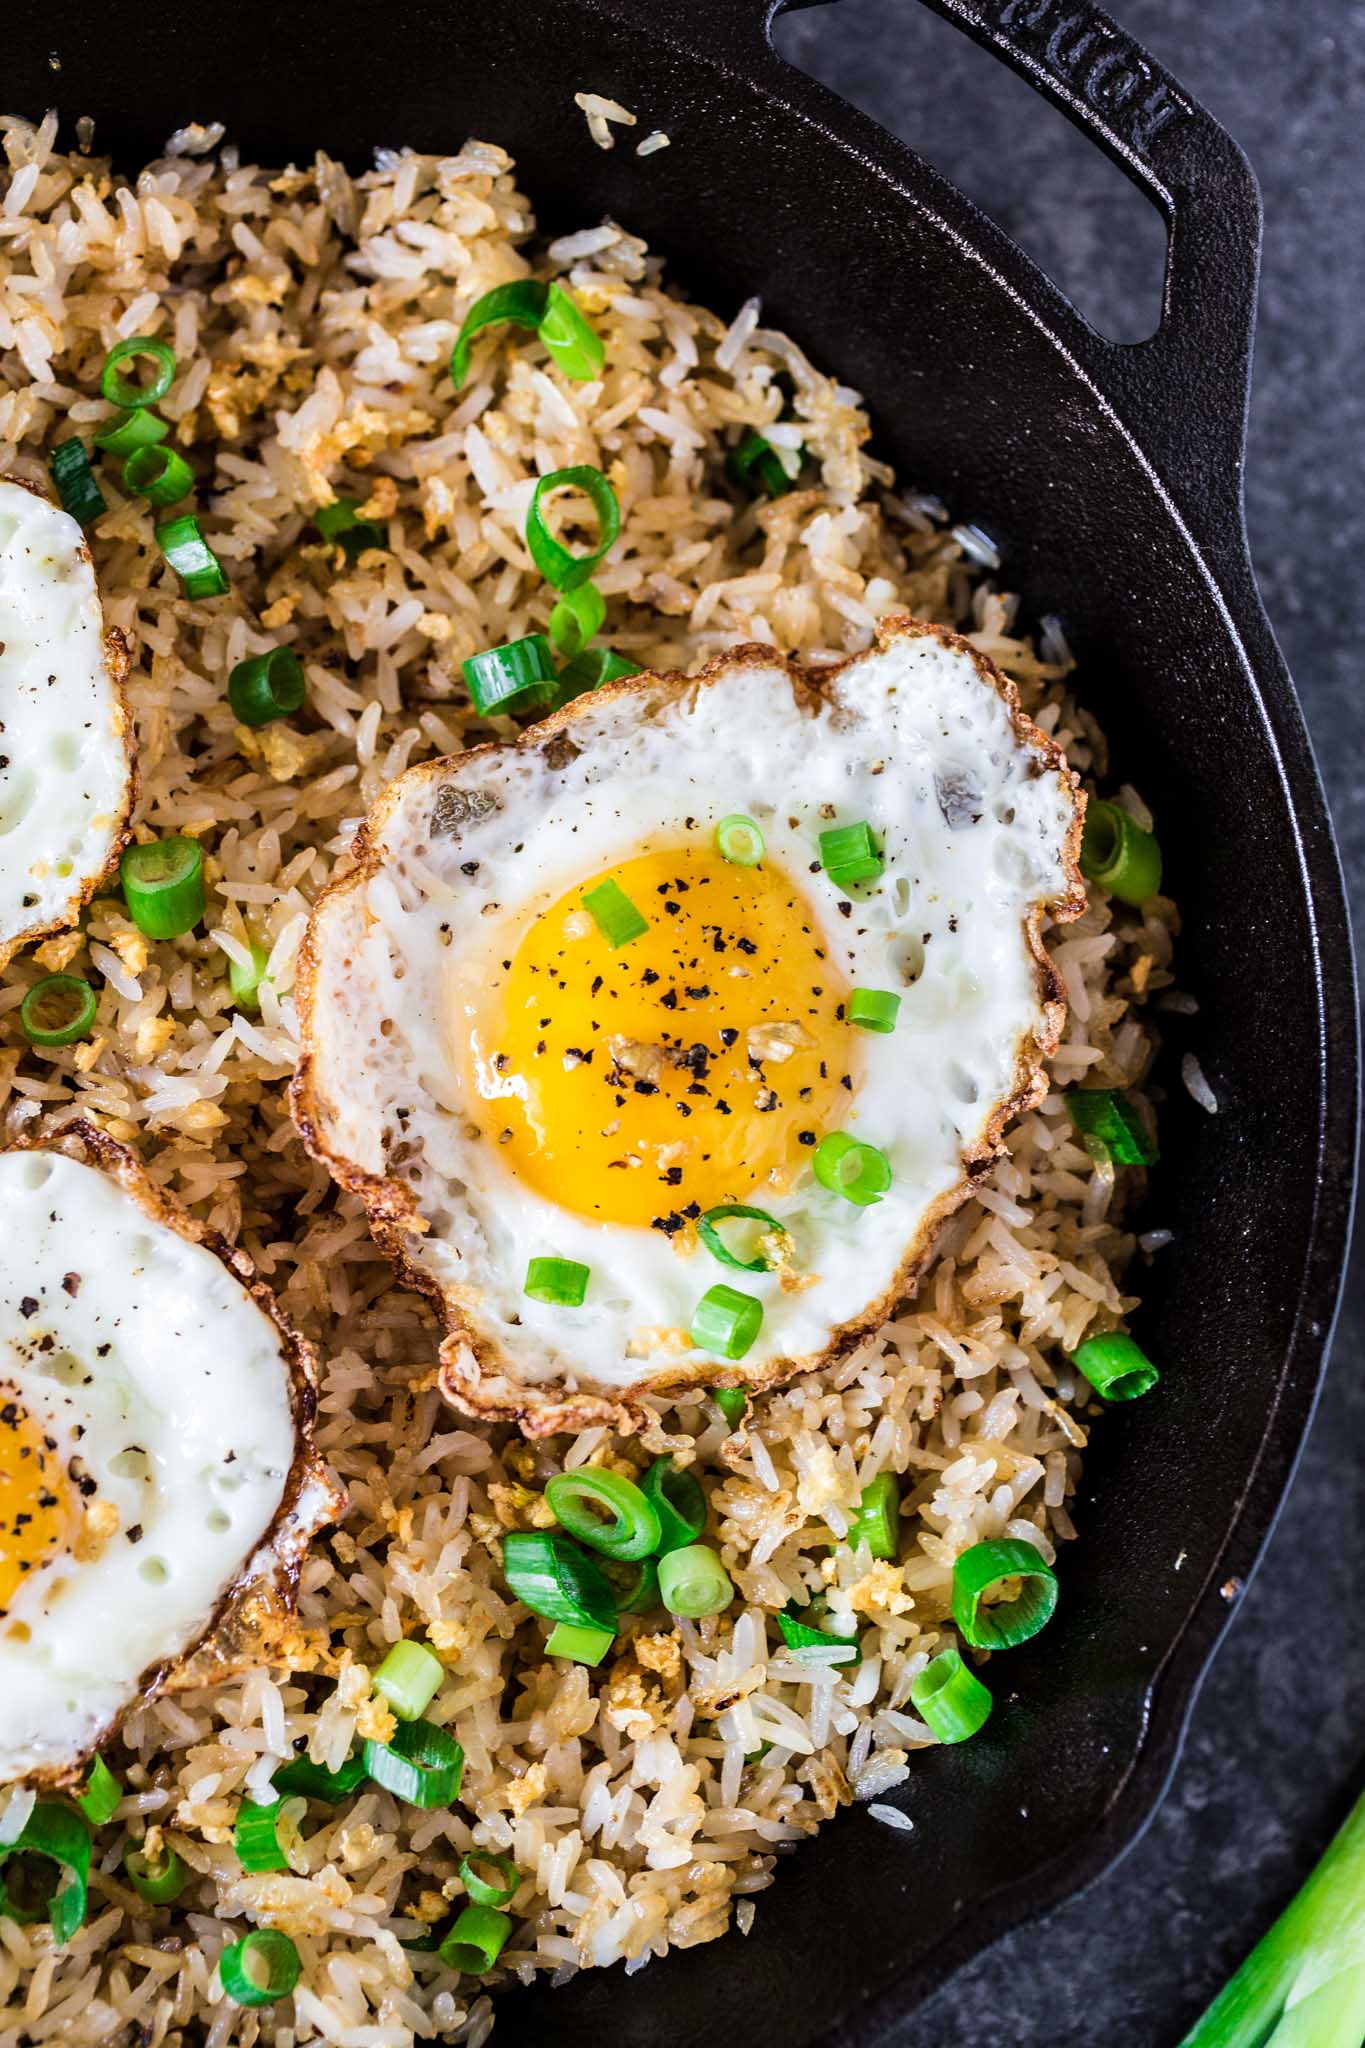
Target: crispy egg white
x=500 y=1083
x=66 y=765
x=155 y=1445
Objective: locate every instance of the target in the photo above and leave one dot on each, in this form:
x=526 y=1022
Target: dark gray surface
x=1276 y=1748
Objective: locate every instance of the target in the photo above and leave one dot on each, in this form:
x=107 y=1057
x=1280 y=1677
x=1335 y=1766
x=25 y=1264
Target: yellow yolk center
x=34 y=1510
x=693 y=1065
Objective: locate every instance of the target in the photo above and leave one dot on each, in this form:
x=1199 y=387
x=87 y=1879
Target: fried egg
x=507 y=1066
x=155 y=1445
x=66 y=765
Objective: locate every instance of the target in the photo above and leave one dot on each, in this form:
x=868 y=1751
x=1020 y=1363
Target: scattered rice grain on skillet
x=312 y=315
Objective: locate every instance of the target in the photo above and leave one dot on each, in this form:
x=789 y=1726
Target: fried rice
x=647 y=1803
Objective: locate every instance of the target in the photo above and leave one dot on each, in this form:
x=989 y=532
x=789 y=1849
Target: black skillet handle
x=1183 y=392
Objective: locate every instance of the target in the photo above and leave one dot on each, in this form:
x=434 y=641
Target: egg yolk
x=694 y=1064
x=34 y=1510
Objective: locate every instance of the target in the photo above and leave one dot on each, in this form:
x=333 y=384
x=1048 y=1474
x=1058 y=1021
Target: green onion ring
x=556 y=563
x=61 y=1837
x=581 y=1645
x=99 y=1797
x=158 y=1883
x=1119 y=854
x=679 y=1501
x=266 y=687
x=422 y=1765
x=1116 y=1367
x=693 y=1582
x=73 y=995
x=635 y=1587
x=575 y=345
x=740 y=841
x=132 y=397
x=715 y=1244
x=130 y=430
x=341 y=523
x=756 y=456
x=615 y=916
x=409 y=1679
x=726 y=1322
x=592 y=668
x=255 y=1836
x=849 y=854
x=848 y=1167
x=240 y=1965
x=522 y=303
x=986 y=1565
x=303 y=1778
x=189 y=554
x=158 y=474
x=633 y=1532
x=557 y=1579
x=480 y=1891
x=245 y=982
x=562 y=1283
x=875 y=1009
x=163 y=886
x=1106 y=1118
x=476 y=1940
x=577 y=618
x=81 y=496
x=950 y=1699
x=518 y=676
x=814 y=1646
x=732 y=1402
x=876 y=1525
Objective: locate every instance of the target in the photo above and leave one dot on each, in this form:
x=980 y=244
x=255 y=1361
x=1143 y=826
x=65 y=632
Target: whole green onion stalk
x=1303 y=1985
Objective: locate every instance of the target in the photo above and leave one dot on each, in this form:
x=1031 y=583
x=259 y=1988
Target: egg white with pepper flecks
x=560 y=1011
x=66 y=769
x=155 y=1445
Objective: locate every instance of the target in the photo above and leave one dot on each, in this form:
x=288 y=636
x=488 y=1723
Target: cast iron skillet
x=1112 y=474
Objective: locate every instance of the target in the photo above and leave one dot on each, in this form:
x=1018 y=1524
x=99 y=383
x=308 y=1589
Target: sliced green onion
x=553 y=1577
x=1108 y=1118
x=632 y=1531
x=987 y=1565
x=60 y=1837
x=583 y=1645
x=422 y=1765
x=876 y=1009
x=522 y=302
x=715 y=1243
x=343 y=523
x=57 y=1010
x=814 y=1645
x=556 y=563
x=517 y=676
x=635 y=1587
x=129 y=431
x=726 y=1322
x=302 y=1778
x=260 y=1968
x=563 y=1283
x=163 y=886
x=475 y=1942
x=245 y=982
x=409 y=1679
x=592 y=668
x=849 y=853
x=693 y=1582
x=575 y=346
x=950 y=1699
x=679 y=1501
x=740 y=841
x=189 y=554
x=1115 y=1366
x=1303 y=1985
x=99 y=1798
x=133 y=397
x=81 y=496
x=255 y=1839
x=266 y=686
x=756 y=457
x=732 y=1402
x=1118 y=854
x=158 y=474
x=577 y=617
x=157 y=1882
x=480 y=1891
x=847 y=1167
x=876 y=1526
x=615 y=916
